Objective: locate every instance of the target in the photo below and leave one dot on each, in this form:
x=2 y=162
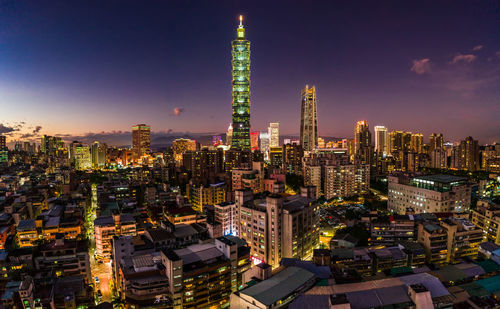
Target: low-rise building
x=389 y=230
x=275 y=292
x=63 y=258
x=27 y=233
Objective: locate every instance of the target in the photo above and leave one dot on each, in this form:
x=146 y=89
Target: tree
x=294 y=181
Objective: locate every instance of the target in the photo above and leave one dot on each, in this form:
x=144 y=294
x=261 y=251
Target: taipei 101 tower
x=241 y=89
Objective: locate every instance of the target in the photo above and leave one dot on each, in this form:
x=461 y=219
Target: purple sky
x=102 y=66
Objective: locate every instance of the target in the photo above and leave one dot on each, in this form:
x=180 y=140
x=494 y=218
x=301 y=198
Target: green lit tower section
x=241 y=90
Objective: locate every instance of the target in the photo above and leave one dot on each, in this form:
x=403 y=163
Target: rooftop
x=442 y=178
x=198 y=253
x=279 y=286
x=26 y=225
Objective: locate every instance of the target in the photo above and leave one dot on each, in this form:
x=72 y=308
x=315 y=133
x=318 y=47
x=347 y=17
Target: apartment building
x=202 y=195
x=64 y=258
x=389 y=230
x=277 y=226
x=463 y=238
x=487 y=217
x=249 y=178
x=346 y=180
x=204 y=275
x=105 y=228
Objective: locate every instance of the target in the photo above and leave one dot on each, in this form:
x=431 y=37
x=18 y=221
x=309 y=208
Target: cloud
x=498 y=54
x=421 y=66
x=37 y=129
x=178 y=111
x=5 y=129
x=466 y=58
x=478 y=47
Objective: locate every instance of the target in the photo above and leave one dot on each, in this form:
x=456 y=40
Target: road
x=102 y=271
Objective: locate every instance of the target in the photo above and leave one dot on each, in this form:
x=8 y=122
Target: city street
x=102 y=271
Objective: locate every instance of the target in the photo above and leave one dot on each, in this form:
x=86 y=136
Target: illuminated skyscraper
x=264 y=144
x=363 y=142
x=4 y=154
x=241 y=90
x=308 y=120
x=98 y=153
x=254 y=140
x=381 y=140
x=399 y=141
x=417 y=142
x=436 y=141
x=229 y=135
x=141 y=140
x=274 y=134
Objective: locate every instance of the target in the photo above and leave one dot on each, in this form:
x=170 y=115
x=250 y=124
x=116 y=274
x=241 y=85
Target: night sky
x=81 y=67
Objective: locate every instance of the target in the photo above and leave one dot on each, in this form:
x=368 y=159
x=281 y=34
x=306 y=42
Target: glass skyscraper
x=241 y=90
x=308 y=119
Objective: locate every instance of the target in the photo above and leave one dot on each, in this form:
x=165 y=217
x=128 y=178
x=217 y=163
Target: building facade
x=433 y=193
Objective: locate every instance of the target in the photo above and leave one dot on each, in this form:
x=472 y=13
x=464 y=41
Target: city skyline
x=455 y=76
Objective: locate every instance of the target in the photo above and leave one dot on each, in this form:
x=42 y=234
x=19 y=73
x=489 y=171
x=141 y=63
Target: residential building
x=436 y=141
x=105 y=228
x=204 y=275
x=381 y=144
x=26 y=233
x=486 y=216
x=249 y=178
x=63 y=258
x=278 y=226
x=469 y=155
x=390 y=230
x=292 y=158
x=206 y=195
x=362 y=143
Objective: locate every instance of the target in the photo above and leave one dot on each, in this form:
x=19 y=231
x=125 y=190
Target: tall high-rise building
x=469 y=154
x=274 y=134
x=308 y=119
x=141 y=140
x=399 y=141
x=362 y=142
x=264 y=144
x=229 y=135
x=417 y=142
x=4 y=154
x=436 y=141
x=83 y=160
x=241 y=90
x=98 y=153
x=381 y=140
x=254 y=140
x=3 y=142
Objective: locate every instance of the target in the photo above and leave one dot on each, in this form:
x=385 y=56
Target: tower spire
x=241 y=21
